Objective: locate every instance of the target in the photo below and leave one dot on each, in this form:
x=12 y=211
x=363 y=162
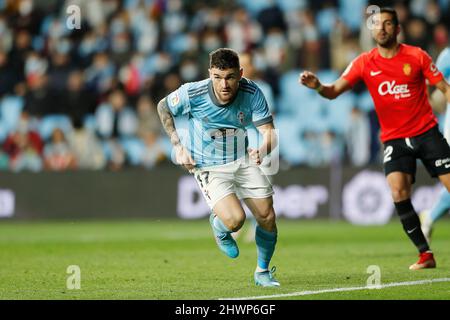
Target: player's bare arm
x=269 y=143
x=329 y=91
x=182 y=155
x=444 y=87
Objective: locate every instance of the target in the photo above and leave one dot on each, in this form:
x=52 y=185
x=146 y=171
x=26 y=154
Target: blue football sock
x=265 y=245
x=218 y=224
x=442 y=206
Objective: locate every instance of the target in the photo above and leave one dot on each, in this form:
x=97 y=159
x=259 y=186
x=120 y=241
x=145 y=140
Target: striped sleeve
x=178 y=101
x=260 y=109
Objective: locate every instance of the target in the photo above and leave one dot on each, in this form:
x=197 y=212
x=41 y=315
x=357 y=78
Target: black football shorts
x=430 y=147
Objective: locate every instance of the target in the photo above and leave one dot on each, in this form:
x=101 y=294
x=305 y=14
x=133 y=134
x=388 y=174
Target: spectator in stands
x=251 y=72
x=19 y=52
x=115 y=121
x=8 y=77
x=100 y=74
x=58 y=154
x=24 y=148
x=25 y=16
x=153 y=151
x=60 y=66
x=242 y=32
x=416 y=33
x=148 y=119
x=78 y=102
x=149 y=132
x=6 y=34
x=40 y=100
x=120 y=39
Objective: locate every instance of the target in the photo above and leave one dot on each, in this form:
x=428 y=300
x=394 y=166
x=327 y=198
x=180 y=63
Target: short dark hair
x=224 y=58
x=392 y=12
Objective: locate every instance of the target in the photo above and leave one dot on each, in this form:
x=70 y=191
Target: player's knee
x=446 y=184
x=400 y=193
x=236 y=222
x=267 y=215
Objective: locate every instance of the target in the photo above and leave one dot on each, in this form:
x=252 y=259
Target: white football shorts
x=240 y=177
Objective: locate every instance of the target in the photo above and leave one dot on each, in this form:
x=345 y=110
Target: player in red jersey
x=396 y=75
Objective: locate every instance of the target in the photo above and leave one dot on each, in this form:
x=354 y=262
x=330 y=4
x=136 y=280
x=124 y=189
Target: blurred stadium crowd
x=85 y=99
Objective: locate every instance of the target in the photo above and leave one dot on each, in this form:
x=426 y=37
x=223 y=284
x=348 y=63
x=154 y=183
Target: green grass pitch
x=172 y=259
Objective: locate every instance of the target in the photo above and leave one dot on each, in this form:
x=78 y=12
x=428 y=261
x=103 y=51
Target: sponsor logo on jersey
x=397 y=90
x=375 y=73
x=407 y=69
x=224 y=132
x=434 y=69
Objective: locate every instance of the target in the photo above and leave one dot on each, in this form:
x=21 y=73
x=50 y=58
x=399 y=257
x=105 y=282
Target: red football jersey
x=398 y=89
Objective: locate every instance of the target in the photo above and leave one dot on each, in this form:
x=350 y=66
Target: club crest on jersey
x=407 y=69
x=241 y=117
x=174 y=99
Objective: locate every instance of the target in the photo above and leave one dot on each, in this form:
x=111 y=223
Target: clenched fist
x=254 y=155
x=183 y=157
x=309 y=80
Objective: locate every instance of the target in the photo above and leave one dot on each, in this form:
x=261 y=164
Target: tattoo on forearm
x=168 y=122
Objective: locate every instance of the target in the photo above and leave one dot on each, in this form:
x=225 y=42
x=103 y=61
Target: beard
x=388 y=42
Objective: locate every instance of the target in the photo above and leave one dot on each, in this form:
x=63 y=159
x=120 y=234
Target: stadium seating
x=10 y=109
x=49 y=123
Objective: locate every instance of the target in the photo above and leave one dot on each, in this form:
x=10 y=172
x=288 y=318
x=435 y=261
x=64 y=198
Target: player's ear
x=241 y=72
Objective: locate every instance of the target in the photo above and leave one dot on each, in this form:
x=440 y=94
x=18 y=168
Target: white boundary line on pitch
x=374 y=287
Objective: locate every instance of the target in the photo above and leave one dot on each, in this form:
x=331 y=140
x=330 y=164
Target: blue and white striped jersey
x=217 y=133
x=443 y=63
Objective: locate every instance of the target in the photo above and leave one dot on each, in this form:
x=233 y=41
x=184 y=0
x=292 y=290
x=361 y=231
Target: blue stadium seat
x=89 y=122
x=134 y=148
x=292 y=148
x=166 y=145
x=292 y=93
x=352 y=12
x=10 y=109
x=339 y=112
x=308 y=109
x=292 y=5
x=327 y=76
x=51 y=122
x=128 y=4
x=326 y=20
x=3 y=132
x=255 y=6
x=365 y=101
x=179 y=44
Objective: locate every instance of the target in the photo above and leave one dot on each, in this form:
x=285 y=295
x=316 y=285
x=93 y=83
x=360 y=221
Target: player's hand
x=183 y=157
x=309 y=80
x=255 y=155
